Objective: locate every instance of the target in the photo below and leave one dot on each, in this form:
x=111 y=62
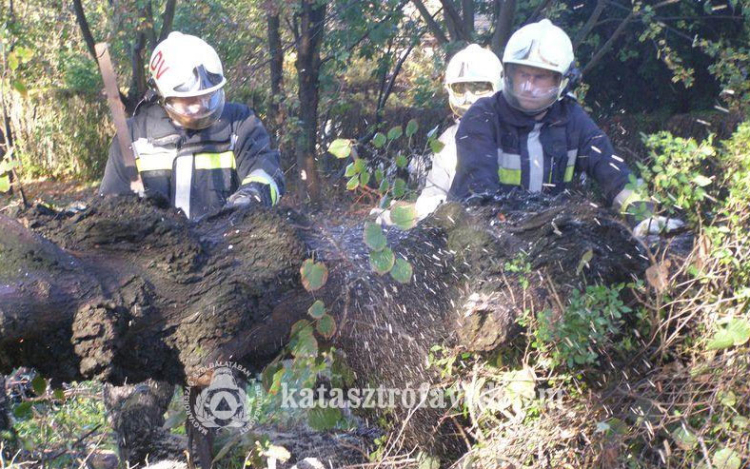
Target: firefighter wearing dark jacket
x=533 y=136
x=190 y=147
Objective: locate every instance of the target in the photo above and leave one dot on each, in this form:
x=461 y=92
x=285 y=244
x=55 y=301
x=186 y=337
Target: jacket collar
x=557 y=114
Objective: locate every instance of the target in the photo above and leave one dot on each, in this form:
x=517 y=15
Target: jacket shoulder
x=237 y=112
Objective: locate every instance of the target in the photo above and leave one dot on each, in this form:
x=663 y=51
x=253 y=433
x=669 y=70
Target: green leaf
x=322 y=419
x=404 y=216
x=399 y=188
x=584 y=262
x=299 y=328
x=379 y=140
x=21 y=88
x=384 y=186
x=736 y=332
x=395 y=133
x=352 y=183
x=411 y=128
x=314 y=275
x=58 y=394
x=6 y=166
x=382 y=261
x=4 y=183
x=317 y=310
x=24 y=54
x=726 y=459
x=685 y=439
x=374 y=237
x=402 y=271
x=379 y=175
x=364 y=178
x=701 y=180
x=39 y=385
x=728 y=398
x=12 y=61
x=340 y=148
x=436 y=146
x=360 y=165
x=401 y=161
x=23 y=410
x=304 y=344
x=350 y=170
x=326 y=326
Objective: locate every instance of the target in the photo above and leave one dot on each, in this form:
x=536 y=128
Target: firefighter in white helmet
x=539 y=137
x=191 y=147
x=471 y=74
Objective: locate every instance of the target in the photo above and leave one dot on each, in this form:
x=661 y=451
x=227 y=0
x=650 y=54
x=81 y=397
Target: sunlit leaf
x=685 y=439
x=314 y=275
x=436 y=146
x=340 y=148
x=736 y=332
x=360 y=165
x=374 y=237
x=350 y=170
x=726 y=459
x=404 y=216
x=326 y=326
x=12 y=61
x=382 y=261
x=401 y=161
x=402 y=271
x=4 y=183
x=364 y=178
x=701 y=180
x=317 y=310
x=21 y=88
x=352 y=183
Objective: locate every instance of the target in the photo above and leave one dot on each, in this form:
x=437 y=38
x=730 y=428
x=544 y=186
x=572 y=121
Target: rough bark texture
x=129 y=290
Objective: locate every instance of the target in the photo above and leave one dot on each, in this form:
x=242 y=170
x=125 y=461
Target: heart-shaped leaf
x=317 y=310
x=314 y=275
x=326 y=326
x=374 y=237
x=404 y=216
x=382 y=261
x=340 y=148
x=402 y=271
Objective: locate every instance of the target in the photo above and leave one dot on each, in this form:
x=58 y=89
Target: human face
x=534 y=88
x=195 y=112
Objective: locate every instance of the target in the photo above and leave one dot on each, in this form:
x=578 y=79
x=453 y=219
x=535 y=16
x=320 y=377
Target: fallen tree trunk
x=126 y=290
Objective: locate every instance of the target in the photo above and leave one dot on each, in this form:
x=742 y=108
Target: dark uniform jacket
x=196 y=170
x=500 y=148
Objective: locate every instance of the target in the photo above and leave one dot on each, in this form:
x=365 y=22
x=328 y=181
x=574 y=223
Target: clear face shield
x=196 y=112
x=464 y=94
x=531 y=89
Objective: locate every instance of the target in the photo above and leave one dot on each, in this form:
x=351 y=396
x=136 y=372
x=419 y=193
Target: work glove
x=657 y=225
x=253 y=193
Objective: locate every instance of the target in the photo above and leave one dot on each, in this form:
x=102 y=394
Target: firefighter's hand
x=657 y=225
x=251 y=194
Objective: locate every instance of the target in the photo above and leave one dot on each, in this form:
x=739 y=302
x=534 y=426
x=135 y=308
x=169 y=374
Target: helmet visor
x=476 y=88
x=531 y=89
x=196 y=112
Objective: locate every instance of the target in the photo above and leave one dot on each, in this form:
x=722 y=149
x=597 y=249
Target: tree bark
x=310 y=37
x=435 y=28
x=590 y=23
x=454 y=21
x=608 y=44
x=83 y=24
x=167 y=19
x=468 y=15
x=130 y=291
x=505 y=12
x=276 y=63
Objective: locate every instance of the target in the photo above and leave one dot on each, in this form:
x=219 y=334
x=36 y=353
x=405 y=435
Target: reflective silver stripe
x=508 y=160
x=183 y=180
x=153 y=158
x=572 y=156
x=536 y=160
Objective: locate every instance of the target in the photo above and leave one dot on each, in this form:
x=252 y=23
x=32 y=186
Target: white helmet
x=540 y=45
x=188 y=76
x=473 y=73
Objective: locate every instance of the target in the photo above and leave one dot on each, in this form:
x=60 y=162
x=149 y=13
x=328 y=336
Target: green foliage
x=677 y=174
x=402 y=271
x=314 y=275
x=585 y=329
x=734 y=333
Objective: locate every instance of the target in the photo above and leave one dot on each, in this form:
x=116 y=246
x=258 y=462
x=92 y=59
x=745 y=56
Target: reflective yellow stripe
x=569 y=174
x=510 y=176
x=223 y=160
x=154 y=163
x=262 y=180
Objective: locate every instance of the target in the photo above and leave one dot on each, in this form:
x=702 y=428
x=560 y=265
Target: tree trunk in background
x=275 y=116
x=435 y=28
x=505 y=12
x=309 y=39
x=590 y=23
x=167 y=19
x=468 y=11
x=138 y=83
